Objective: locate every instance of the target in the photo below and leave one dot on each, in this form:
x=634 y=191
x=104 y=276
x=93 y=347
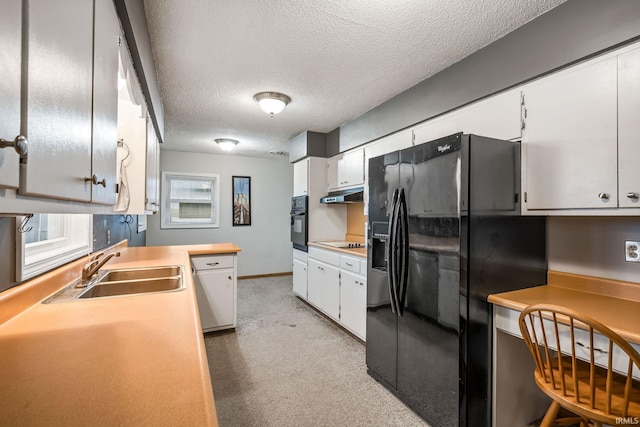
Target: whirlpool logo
x=627 y=421
x=443 y=148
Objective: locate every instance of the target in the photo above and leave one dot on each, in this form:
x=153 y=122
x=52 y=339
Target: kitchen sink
x=123 y=282
x=140 y=273
x=130 y=287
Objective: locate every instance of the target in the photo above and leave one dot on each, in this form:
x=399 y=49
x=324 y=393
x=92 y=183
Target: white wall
x=266 y=244
x=593 y=246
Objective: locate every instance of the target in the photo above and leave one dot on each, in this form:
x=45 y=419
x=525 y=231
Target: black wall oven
x=299 y=222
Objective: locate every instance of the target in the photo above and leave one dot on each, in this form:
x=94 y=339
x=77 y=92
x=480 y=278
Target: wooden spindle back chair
x=596 y=393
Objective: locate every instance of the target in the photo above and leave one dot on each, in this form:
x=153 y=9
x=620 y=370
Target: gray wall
x=266 y=246
x=593 y=246
x=574 y=30
x=110 y=229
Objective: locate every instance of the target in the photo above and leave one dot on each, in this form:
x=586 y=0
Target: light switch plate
x=632 y=251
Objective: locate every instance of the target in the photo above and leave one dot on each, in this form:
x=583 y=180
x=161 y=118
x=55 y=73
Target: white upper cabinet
x=152 y=187
x=570 y=139
x=71 y=100
x=59 y=40
x=346 y=170
x=105 y=102
x=495 y=117
x=10 y=57
x=332 y=172
x=629 y=129
x=301 y=177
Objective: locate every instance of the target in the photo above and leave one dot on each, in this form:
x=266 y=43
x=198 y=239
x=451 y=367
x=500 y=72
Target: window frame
x=37 y=258
x=165 y=211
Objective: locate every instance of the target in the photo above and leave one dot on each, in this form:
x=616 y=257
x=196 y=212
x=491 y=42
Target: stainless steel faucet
x=93 y=266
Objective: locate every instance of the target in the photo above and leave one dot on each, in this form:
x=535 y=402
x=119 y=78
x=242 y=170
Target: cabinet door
x=436 y=128
x=105 y=101
x=570 y=139
x=352 y=171
x=10 y=58
x=331 y=292
x=332 y=172
x=496 y=117
x=315 y=281
x=353 y=302
x=59 y=39
x=300 y=178
x=215 y=290
x=629 y=129
x=152 y=197
x=324 y=287
x=300 y=278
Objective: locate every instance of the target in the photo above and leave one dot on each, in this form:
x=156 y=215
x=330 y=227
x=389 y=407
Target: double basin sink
x=121 y=282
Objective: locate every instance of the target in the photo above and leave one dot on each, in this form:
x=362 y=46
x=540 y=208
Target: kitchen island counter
x=126 y=360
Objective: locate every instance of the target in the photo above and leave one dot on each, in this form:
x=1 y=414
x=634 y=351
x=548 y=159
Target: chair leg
x=551 y=414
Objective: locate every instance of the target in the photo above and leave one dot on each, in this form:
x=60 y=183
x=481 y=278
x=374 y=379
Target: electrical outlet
x=632 y=251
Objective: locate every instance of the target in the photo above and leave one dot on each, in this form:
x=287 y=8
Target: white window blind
x=190 y=200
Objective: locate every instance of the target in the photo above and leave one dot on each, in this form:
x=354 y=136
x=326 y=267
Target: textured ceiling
x=336 y=59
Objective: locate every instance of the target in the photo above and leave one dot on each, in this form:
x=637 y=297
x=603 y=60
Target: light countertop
x=130 y=360
x=613 y=303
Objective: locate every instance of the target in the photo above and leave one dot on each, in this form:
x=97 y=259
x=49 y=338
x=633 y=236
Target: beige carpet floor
x=287 y=365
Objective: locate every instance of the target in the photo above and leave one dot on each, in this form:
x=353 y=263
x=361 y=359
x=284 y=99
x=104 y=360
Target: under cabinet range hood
x=352 y=195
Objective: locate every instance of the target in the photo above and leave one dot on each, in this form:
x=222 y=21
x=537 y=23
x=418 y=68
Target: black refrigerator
x=445 y=231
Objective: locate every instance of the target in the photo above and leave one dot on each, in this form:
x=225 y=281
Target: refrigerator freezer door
x=381 y=353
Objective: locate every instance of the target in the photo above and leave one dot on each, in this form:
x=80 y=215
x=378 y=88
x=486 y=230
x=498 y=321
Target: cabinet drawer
x=209 y=262
x=300 y=255
x=329 y=257
x=350 y=263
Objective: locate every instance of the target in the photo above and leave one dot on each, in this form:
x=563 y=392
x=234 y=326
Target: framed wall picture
x=241 y=200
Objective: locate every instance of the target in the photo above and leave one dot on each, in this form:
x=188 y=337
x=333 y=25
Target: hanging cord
x=128 y=219
x=22 y=228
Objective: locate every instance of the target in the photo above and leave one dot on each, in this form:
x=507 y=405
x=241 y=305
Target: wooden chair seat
x=596 y=394
x=577 y=404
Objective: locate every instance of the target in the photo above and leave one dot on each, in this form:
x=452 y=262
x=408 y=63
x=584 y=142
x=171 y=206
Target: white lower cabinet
x=353 y=300
x=300 y=278
x=337 y=286
x=324 y=287
x=216 y=289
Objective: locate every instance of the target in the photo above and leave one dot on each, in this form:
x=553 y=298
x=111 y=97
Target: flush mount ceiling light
x=226 y=144
x=272 y=102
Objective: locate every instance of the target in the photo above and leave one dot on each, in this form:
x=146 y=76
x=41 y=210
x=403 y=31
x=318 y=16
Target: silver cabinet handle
x=20 y=144
x=603 y=196
x=94 y=181
x=213 y=263
x=632 y=195
x=350 y=265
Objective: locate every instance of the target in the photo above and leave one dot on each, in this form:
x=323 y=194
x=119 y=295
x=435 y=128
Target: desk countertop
x=615 y=304
x=130 y=360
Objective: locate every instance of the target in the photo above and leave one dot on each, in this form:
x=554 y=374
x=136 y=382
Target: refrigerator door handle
x=391 y=254
x=403 y=252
